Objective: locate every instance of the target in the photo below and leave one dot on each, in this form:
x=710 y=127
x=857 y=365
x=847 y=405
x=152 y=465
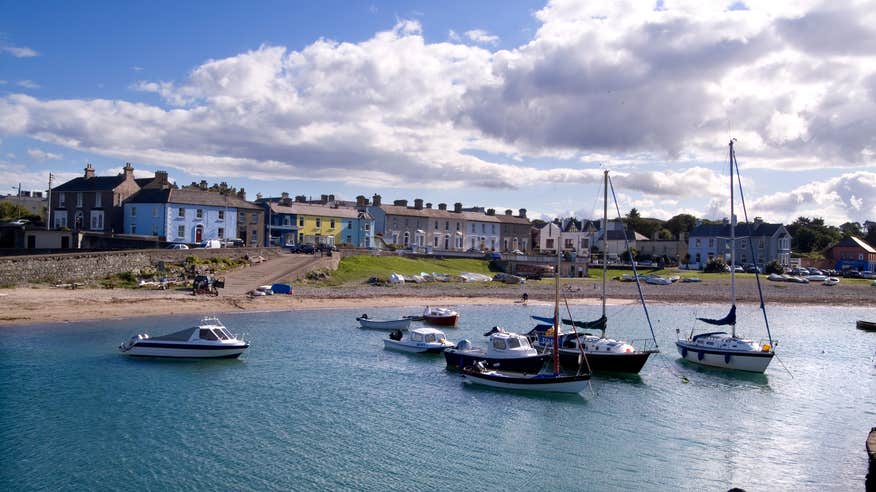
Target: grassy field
x=354 y=269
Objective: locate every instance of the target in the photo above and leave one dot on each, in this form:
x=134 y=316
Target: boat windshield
x=222 y=334
x=417 y=337
x=518 y=342
x=207 y=334
x=430 y=338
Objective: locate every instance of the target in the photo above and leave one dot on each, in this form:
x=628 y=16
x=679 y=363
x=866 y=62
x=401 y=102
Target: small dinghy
x=383 y=324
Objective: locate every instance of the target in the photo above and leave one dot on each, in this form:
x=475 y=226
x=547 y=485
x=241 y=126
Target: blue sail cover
x=598 y=324
x=730 y=319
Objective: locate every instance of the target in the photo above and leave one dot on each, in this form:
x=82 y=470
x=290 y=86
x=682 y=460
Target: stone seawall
x=91 y=267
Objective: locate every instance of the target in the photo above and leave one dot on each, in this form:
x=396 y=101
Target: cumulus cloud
x=619 y=84
x=40 y=155
x=482 y=37
x=19 y=51
x=28 y=84
x=850 y=197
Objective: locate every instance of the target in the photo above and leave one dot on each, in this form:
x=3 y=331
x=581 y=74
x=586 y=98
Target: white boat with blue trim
x=719 y=348
x=419 y=340
x=209 y=340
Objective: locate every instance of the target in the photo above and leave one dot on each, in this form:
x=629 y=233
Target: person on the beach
x=525 y=297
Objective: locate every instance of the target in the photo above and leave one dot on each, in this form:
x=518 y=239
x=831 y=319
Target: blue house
x=757 y=243
x=185 y=216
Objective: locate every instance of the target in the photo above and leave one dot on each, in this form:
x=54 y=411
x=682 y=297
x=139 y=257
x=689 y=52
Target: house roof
x=854 y=242
x=189 y=197
x=743 y=229
x=435 y=213
x=97 y=183
x=297 y=208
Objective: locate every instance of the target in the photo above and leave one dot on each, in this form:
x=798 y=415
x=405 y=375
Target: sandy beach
x=43 y=304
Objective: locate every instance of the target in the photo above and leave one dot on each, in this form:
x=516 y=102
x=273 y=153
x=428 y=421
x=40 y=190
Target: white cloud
x=40 y=155
x=28 y=84
x=850 y=197
x=619 y=84
x=11 y=174
x=137 y=68
x=482 y=37
x=19 y=51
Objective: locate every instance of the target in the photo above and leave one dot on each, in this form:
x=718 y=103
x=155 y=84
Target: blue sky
x=497 y=104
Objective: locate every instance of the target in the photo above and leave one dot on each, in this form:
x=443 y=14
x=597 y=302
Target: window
x=133 y=211
x=133 y=228
x=254 y=238
x=711 y=243
x=499 y=344
x=221 y=232
x=697 y=244
x=350 y=224
x=199 y=213
x=181 y=213
x=493 y=228
x=181 y=231
x=457 y=226
x=549 y=244
x=332 y=224
x=98 y=200
x=483 y=228
x=154 y=212
x=96 y=220
x=207 y=334
x=318 y=222
x=221 y=215
x=760 y=246
x=79 y=199
x=473 y=230
x=436 y=241
x=254 y=219
x=154 y=229
x=300 y=221
x=62 y=201
x=447 y=226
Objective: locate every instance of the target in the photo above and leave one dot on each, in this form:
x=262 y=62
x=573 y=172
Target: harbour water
x=317 y=404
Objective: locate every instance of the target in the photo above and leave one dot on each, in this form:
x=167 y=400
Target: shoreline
x=42 y=304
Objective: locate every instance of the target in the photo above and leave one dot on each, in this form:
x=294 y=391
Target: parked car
x=753 y=269
x=852 y=274
x=307 y=249
x=517 y=252
x=231 y=242
x=495 y=255
x=293 y=248
x=177 y=246
x=210 y=243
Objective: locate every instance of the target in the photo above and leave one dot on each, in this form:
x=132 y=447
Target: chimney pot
x=522 y=212
x=442 y=206
x=457 y=207
x=418 y=203
x=89 y=171
x=376 y=200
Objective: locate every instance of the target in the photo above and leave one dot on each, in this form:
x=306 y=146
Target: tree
x=716 y=264
x=681 y=223
x=870 y=238
x=812 y=234
x=851 y=229
x=774 y=267
x=629 y=255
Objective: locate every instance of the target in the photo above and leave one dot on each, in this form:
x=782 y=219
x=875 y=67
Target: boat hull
x=178 y=351
x=539 y=383
x=392 y=324
x=725 y=359
x=459 y=359
x=866 y=325
x=414 y=347
x=626 y=362
x=441 y=320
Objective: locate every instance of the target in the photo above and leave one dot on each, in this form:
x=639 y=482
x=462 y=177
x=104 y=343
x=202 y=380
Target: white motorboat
x=720 y=349
x=209 y=340
x=384 y=324
x=505 y=350
x=419 y=340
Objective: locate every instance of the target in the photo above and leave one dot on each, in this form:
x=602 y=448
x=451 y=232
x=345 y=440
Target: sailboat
x=543 y=382
x=719 y=348
x=597 y=353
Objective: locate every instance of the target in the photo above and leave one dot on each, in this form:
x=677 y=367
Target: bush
x=716 y=265
x=774 y=267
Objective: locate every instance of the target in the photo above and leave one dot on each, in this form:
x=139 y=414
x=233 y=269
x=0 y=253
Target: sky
x=499 y=104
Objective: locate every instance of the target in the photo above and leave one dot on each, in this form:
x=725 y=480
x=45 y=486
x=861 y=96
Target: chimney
x=89 y=171
x=522 y=213
x=457 y=207
x=299 y=198
x=129 y=171
x=259 y=196
x=376 y=200
x=400 y=203
x=323 y=198
x=203 y=184
x=508 y=212
x=361 y=201
x=331 y=198
x=429 y=205
x=160 y=181
x=284 y=196
x=37 y=194
x=418 y=203
x=442 y=206
x=241 y=194
x=491 y=211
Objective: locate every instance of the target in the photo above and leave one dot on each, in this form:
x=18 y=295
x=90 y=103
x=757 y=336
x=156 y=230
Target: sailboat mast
x=604 y=238
x=732 y=239
x=556 y=351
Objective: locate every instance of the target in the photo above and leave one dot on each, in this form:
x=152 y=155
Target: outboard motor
x=463 y=345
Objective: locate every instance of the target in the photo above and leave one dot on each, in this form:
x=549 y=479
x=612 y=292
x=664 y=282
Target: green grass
x=354 y=269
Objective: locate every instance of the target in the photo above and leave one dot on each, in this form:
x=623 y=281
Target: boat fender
x=726 y=358
x=684 y=352
x=766 y=347
x=700 y=355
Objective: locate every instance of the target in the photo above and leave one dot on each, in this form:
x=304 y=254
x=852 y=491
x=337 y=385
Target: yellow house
x=307 y=223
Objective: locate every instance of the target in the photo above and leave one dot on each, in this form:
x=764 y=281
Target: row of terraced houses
x=155 y=208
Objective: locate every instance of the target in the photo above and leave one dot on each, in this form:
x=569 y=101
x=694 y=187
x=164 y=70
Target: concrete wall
x=89 y=267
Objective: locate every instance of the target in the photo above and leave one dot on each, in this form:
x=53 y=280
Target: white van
x=211 y=243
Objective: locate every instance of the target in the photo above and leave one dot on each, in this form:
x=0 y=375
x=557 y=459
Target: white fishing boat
x=384 y=324
x=553 y=381
x=209 y=340
x=419 y=340
x=720 y=349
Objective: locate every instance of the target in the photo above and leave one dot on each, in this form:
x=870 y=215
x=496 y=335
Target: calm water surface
x=317 y=404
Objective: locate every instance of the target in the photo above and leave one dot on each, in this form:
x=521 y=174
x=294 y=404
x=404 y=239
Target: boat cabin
x=428 y=335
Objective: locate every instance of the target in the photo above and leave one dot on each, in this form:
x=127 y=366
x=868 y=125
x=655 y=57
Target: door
x=65 y=242
x=199 y=234
x=31 y=242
